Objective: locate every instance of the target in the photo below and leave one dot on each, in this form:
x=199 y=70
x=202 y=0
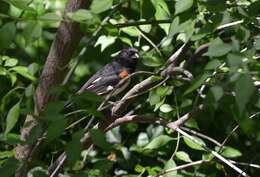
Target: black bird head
x=129 y=56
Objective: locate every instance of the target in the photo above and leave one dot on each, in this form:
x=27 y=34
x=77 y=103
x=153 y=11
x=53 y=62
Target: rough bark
x=66 y=40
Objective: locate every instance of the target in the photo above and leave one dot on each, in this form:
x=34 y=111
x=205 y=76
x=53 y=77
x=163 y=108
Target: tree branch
x=66 y=40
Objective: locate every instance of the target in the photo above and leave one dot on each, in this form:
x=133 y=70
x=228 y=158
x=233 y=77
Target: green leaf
x=165 y=108
x=9 y=62
x=23 y=71
x=114 y=136
x=52 y=110
x=218 y=48
x=158 y=142
x=56 y=129
x=244 y=89
x=33 y=68
x=131 y=31
x=196 y=144
x=98 y=6
x=52 y=17
x=257 y=43
x=81 y=15
x=13 y=78
x=99 y=139
x=7 y=169
x=103 y=165
x=164 y=90
x=234 y=60
x=7 y=34
x=105 y=41
x=12 y=117
x=74 y=148
x=7 y=154
x=213 y=64
x=32 y=32
x=174 y=28
x=35 y=133
x=145 y=28
x=153 y=98
x=182 y=5
x=162 y=13
x=217 y=92
x=169 y=165
x=151 y=60
x=142 y=139
x=181 y=155
x=197 y=83
x=21 y=4
x=230 y=152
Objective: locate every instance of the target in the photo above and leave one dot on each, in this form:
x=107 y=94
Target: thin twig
x=180 y=167
x=201 y=135
x=214 y=153
x=139 y=23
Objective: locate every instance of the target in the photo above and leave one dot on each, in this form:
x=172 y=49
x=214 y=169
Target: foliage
x=226 y=82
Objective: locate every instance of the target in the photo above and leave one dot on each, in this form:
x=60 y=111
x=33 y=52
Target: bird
x=104 y=80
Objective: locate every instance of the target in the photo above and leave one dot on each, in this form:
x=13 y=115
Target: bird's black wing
x=101 y=82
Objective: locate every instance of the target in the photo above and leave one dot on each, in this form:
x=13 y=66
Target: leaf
x=99 y=139
x=230 y=152
x=7 y=34
x=9 y=62
x=162 y=13
x=168 y=165
x=244 y=89
x=153 y=98
x=7 y=154
x=217 y=92
x=52 y=110
x=50 y=17
x=182 y=5
x=257 y=43
x=183 y=156
x=33 y=68
x=81 y=15
x=142 y=139
x=74 y=148
x=105 y=41
x=13 y=78
x=145 y=28
x=195 y=145
x=35 y=133
x=217 y=48
x=21 y=4
x=114 y=136
x=213 y=64
x=164 y=90
x=131 y=31
x=7 y=168
x=56 y=129
x=151 y=60
x=98 y=6
x=197 y=83
x=174 y=28
x=235 y=60
x=23 y=71
x=12 y=117
x=103 y=165
x=32 y=31
x=165 y=108
x=158 y=142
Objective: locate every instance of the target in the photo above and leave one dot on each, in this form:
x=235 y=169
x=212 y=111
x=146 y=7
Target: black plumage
x=104 y=80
